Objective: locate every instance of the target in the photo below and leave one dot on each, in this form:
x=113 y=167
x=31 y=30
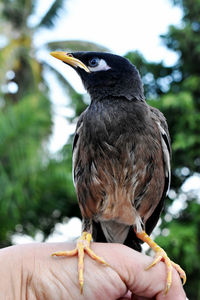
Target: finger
x=130 y=265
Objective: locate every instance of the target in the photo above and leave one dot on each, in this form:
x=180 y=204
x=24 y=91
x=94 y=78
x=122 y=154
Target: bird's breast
x=116 y=155
x=108 y=121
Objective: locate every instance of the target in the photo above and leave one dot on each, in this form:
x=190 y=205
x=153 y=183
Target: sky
x=119 y=25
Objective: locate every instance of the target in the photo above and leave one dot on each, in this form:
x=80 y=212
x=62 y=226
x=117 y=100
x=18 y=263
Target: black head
x=105 y=74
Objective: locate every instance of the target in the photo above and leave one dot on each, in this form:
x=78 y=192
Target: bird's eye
x=94 y=62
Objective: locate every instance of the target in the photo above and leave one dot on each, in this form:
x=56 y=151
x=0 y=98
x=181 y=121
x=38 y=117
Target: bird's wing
x=165 y=142
x=159 y=119
x=75 y=148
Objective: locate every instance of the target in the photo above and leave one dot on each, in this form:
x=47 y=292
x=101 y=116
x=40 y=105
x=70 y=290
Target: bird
x=121 y=159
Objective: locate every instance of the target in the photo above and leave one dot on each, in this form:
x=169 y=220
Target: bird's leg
x=161 y=255
x=83 y=245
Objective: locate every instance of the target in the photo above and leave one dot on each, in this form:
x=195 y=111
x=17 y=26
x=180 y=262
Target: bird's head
x=105 y=74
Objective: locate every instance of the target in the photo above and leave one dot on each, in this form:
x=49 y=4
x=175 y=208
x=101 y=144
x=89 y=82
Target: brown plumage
x=118 y=165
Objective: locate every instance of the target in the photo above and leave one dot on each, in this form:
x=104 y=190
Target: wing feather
x=166 y=150
x=75 y=148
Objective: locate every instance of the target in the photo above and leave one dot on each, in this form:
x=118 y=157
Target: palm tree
x=19 y=53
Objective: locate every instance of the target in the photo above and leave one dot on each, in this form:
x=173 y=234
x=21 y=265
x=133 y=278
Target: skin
x=30 y=272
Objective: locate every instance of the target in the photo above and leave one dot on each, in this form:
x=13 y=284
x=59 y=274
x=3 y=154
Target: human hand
x=30 y=272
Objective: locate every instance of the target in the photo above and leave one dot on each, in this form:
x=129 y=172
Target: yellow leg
x=161 y=255
x=83 y=244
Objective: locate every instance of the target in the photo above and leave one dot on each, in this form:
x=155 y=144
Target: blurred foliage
x=182 y=244
x=175 y=91
x=36 y=189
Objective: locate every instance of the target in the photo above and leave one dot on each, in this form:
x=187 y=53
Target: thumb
x=144 y=284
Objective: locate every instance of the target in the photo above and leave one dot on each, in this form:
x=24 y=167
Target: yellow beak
x=69 y=59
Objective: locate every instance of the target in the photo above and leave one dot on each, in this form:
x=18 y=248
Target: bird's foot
x=161 y=255
x=83 y=245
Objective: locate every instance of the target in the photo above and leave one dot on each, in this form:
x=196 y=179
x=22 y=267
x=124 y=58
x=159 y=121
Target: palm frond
x=76 y=45
x=53 y=12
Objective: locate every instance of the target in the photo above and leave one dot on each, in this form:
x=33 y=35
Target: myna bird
x=121 y=159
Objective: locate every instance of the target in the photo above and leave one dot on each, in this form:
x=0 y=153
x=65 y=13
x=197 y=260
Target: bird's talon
x=167 y=288
x=81 y=287
x=65 y=253
x=156 y=260
x=94 y=256
x=180 y=271
x=83 y=245
x=161 y=255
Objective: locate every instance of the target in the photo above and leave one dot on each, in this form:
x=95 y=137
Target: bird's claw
x=181 y=272
x=83 y=245
x=161 y=255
